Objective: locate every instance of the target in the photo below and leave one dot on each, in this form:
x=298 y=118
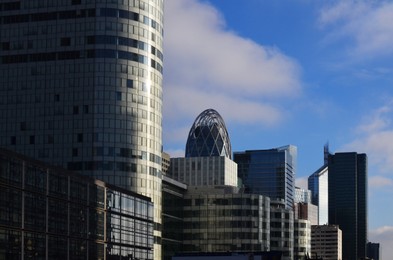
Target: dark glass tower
x=81 y=88
x=348 y=201
x=269 y=172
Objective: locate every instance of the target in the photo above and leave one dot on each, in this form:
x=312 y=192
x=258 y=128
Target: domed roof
x=208 y=136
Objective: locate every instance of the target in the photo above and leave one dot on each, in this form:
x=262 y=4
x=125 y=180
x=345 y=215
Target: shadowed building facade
x=348 y=201
x=81 y=88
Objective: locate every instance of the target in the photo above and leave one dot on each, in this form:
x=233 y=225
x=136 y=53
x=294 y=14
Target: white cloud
x=368 y=23
x=209 y=66
x=384 y=236
x=375 y=137
x=379 y=182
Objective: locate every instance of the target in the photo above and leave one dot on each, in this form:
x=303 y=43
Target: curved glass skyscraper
x=81 y=87
x=208 y=136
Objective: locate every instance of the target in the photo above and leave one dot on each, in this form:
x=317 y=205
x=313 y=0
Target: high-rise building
x=81 y=88
x=326 y=242
x=374 y=251
x=208 y=136
x=348 y=201
x=269 y=172
x=302 y=195
x=318 y=184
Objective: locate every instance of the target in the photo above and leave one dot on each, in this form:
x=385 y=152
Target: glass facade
x=81 y=88
x=348 y=201
x=208 y=136
x=226 y=223
x=318 y=184
x=269 y=172
x=50 y=213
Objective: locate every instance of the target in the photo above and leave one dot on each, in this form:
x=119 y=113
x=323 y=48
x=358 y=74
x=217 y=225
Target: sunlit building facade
x=318 y=184
x=326 y=242
x=81 y=88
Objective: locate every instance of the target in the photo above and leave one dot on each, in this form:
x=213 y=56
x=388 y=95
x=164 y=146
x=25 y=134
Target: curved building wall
x=81 y=87
x=208 y=136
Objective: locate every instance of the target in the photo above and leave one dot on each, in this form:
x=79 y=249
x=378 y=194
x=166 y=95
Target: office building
x=50 y=213
x=222 y=220
x=172 y=216
x=306 y=211
x=81 y=88
x=326 y=242
x=269 y=172
x=302 y=195
x=374 y=251
x=302 y=239
x=208 y=136
x=282 y=229
x=348 y=201
x=318 y=185
x=204 y=171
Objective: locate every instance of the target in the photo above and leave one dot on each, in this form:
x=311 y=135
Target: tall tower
x=348 y=201
x=318 y=184
x=269 y=172
x=81 y=88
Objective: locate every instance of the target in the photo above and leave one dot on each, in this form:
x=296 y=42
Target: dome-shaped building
x=208 y=136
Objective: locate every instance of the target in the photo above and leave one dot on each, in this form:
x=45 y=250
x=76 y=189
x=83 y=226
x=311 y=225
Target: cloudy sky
x=298 y=72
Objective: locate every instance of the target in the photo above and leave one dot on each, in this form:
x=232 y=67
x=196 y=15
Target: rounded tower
x=208 y=136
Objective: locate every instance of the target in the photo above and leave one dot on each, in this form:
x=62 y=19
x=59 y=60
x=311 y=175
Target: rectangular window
x=13 y=140
x=75 y=110
x=32 y=139
x=66 y=41
x=80 y=138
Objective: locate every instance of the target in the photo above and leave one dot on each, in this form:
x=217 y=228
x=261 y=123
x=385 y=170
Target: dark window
x=130 y=83
x=32 y=139
x=50 y=139
x=74 y=152
x=86 y=109
x=13 y=139
x=66 y=41
x=76 y=110
x=76 y=2
x=5 y=45
x=23 y=126
x=80 y=138
x=57 y=97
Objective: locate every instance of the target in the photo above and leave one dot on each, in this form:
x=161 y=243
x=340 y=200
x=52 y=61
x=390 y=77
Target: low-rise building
x=326 y=242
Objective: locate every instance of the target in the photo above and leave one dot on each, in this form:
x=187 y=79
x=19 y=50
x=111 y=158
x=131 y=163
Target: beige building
x=326 y=242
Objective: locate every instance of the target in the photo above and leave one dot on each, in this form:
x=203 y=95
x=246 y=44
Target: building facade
x=269 y=172
x=302 y=239
x=374 y=251
x=215 y=221
x=208 y=136
x=318 y=185
x=204 y=171
x=282 y=229
x=348 y=201
x=302 y=195
x=81 y=88
x=51 y=213
x=326 y=242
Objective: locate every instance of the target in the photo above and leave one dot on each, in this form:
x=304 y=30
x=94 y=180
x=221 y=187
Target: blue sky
x=299 y=72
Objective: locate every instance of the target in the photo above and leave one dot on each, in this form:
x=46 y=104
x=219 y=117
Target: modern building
x=306 y=211
x=302 y=195
x=165 y=162
x=318 y=184
x=348 y=201
x=221 y=220
x=326 y=242
x=50 y=213
x=208 y=136
x=172 y=216
x=302 y=239
x=204 y=171
x=81 y=88
x=374 y=251
x=282 y=229
x=269 y=172
x=230 y=256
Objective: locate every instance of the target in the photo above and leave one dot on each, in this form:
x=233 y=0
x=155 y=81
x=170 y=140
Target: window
x=57 y=97
x=13 y=139
x=66 y=41
x=76 y=110
x=74 y=152
x=32 y=139
x=80 y=138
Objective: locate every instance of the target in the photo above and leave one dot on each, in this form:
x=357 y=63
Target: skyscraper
x=269 y=172
x=348 y=201
x=318 y=184
x=81 y=88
